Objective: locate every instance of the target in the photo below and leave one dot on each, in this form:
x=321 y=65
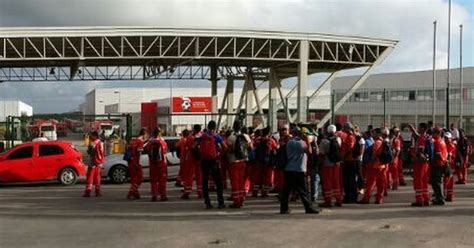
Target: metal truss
x=134 y=53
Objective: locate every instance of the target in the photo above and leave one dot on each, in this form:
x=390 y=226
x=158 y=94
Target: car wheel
x=68 y=176
x=118 y=174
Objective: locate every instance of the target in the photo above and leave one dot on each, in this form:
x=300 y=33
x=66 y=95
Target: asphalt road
x=51 y=215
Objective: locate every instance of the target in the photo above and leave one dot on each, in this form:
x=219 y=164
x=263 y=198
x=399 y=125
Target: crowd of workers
x=295 y=161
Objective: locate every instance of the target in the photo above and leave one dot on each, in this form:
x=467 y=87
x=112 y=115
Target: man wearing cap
x=331 y=167
x=392 y=175
x=349 y=166
x=297 y=150
x=438 y=167
x=448 y=181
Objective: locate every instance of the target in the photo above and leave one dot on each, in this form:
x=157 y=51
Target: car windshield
x=106 y=127
x=47 y=128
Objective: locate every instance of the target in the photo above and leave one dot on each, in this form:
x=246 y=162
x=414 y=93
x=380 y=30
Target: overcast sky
x=409 y=21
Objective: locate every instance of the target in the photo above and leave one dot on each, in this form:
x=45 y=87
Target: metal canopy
x=135 y=53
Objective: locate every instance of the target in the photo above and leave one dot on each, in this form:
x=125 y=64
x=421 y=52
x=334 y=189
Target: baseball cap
x=331 y=129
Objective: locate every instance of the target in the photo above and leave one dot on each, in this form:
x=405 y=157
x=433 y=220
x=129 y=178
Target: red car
x=42 y=161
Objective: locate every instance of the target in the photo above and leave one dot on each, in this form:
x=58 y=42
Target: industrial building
x=14 y=108
x=408 y=98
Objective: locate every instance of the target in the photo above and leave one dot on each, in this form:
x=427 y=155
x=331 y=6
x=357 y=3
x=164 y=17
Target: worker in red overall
x=192 y=168
x=421 y=160
x=135 y=148
x=96 y=152
x=448 y=180
x=156 y=149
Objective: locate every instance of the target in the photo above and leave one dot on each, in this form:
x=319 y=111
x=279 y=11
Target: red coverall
x=461 y=172
x=376 y=174
x=279 y=176
x=158 y=172
x=393 y=168
x=331 y=179
x=448 y=181
x=420 y=171
x=93 y=171
x=192 y=168
x=343 y=136
x=263 y=178
x=135 y=168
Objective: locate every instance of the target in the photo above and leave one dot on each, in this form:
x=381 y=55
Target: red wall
x=149 y=118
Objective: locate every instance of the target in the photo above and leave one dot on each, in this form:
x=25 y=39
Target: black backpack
x=196 y=149
x=262 y=153
x=155 y=151
x=356 y=150
x=241 y=147
x=386 y=156
x=334 y=155
x=281 y=157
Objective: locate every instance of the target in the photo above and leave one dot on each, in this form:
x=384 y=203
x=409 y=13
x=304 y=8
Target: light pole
x=119 y=108
x=461 y=95
x=433 y=110
x=448 y=72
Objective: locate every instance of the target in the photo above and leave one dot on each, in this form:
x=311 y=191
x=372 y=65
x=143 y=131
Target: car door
x=18 y=166
x=50 y=159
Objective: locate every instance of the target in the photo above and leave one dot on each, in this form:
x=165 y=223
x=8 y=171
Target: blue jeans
x=315 y=179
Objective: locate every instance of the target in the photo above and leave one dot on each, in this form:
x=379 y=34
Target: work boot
x=154 y=199
x=164 y=198
x=221 y=206
x=403 y=184
x=209 y=206
x=363 y=202
x=312 y=211
x=86 y=194
x=233 y=205
x=325 y=205
x=338 y=204
x=97 y=193
x=417 y=204
x=185 y=196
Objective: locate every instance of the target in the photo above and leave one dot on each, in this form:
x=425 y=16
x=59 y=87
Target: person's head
x=237 y=126
x=357 y=130
x=266 y=131
x=284 y=130
x=211 y=126
x=347 y=127
x=377 y=133
x=367 y=134
x=331 y=130
x=338 y=126
x=452 y=126
x=430 y=124
x=422 y=127
x=142 y=132
x=156 y=132
x=396 y=132
x=185 y=133
x=258 y=133
x=245 y=130
x=448 y=136
x=197 y=128
x=296 y=132
x=370 y=128
x=437 y=132
x=94 y=135
x=385 y=132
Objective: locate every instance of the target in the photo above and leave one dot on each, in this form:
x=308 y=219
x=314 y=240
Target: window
x=411 y=95
x=469 y=94
x=376 y=96
x=22 y=153
x=400 y=95
x=440 y=95
x=361 y=96
x=50 y=150
x=425 y=95
x=454 y=94
x=47 y=128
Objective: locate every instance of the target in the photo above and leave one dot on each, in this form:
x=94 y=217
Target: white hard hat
x=385 y=131
x=448 y=135
x=332 y=129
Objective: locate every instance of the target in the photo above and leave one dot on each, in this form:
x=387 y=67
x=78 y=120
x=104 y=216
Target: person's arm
x=413 y=131
x=397 y=148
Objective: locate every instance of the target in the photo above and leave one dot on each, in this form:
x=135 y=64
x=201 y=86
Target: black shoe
x=325 y=205
x=437 y=203
x=285 y=212
x=403 y=184
x=221 y=206
x=209 y=206
x=338 y=204
x=312 y=211
x=234 y=206
x=417 y=204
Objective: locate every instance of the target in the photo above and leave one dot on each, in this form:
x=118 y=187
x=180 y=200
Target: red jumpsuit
x=158 y=172
x=461 y=171
x=393 y=168
x=135 y=168
x=192 y=168
x=376 y=174
x=263 y=177
x=448 y=181
x=330 y=177
x=179 y=179
x=420 y=170
x=93 y=171
x=279 y=176
x=344 y=150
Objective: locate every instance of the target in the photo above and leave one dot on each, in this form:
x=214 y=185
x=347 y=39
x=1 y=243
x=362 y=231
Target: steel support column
x=230 y=101
x=214 y=99
x=249 y=90
x=302 y=98
x=274 y=87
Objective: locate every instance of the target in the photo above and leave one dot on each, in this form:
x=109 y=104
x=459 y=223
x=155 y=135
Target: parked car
x=42 y=161
x=116 y=169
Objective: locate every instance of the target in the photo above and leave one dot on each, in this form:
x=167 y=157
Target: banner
x=192 y=104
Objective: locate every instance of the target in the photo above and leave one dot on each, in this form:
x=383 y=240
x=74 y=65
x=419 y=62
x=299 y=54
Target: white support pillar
x=274 y=87
x=215 y=108
x=301 y=92
x=249 y=96
x=230 y=101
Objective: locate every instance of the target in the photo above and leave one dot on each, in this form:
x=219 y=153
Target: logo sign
x=192 y=104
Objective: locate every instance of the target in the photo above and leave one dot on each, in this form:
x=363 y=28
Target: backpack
x=386 y=156
x=368 y=151
x=155 y=151
x=196 y=148
x=241 y=147
x=429 y=149
x=334 y=155
x=356 y=150
x=463 y=147
x=127 y=155
x=262 y=152
x=208 y=147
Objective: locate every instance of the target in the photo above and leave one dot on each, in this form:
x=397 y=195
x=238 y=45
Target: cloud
x=409 y=21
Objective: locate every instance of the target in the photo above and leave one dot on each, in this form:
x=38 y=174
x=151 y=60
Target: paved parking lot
x=50 y=215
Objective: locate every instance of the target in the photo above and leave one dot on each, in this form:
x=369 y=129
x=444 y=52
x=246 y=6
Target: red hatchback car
x=42 y=161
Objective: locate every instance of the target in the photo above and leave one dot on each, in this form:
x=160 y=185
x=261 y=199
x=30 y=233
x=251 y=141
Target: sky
x=408 y=21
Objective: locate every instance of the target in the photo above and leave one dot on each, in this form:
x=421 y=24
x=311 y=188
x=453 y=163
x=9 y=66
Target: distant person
x=97 y=159
x=422 y=152
x=297 y=153
x=133 y=154
x=448 y=180
x=330 y=150
x=210 y=145
x=192 y=163
x=438 y=166
x=464 y=150
x=156 y=149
